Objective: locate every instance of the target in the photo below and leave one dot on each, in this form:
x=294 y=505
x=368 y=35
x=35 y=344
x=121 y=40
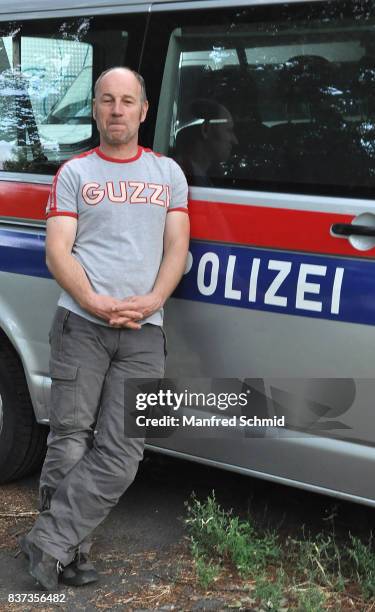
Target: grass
x=311 y=600
x=206 y=570
x=308 y=574
x=320 y=560
x=363 y=565
x=216 y=534
x=271 y=593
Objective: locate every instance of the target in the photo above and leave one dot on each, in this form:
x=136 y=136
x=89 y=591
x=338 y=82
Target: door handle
x=347 y=229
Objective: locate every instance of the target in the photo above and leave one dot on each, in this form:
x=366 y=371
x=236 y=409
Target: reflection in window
x=38 y=74
x=46 y=84
x=284 y=106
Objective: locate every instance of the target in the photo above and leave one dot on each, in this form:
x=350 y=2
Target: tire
x=22 y=440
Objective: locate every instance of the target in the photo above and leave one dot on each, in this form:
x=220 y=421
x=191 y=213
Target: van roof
x=49 y=9
x=44 y=8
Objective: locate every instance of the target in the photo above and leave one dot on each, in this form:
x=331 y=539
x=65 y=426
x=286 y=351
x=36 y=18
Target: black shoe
x=79 y=572
x=42 y=566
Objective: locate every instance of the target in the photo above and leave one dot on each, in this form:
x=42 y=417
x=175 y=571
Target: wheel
x=22 y=440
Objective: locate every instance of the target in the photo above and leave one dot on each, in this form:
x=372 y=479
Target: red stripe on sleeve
x=60 y=213
x=53 y=190
x=179 y=209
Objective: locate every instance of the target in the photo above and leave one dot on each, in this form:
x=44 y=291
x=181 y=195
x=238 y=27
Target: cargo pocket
x=63 y=394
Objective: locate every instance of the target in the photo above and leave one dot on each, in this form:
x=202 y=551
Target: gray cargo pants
x=85 y=474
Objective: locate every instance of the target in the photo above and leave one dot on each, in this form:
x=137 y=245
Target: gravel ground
x=140 y=550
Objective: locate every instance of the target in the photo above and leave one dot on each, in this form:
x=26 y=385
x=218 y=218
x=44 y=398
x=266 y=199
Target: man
x=205 y=140
x=118 y=254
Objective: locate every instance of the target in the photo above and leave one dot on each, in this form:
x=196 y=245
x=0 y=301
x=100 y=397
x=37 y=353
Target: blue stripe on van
x=23 y=253
x=326 y=287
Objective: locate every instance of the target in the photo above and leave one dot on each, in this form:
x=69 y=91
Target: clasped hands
x=126 y=312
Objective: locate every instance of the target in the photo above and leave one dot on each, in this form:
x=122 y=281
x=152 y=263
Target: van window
x=47 y=72
x=285 y=105
x=50 y=92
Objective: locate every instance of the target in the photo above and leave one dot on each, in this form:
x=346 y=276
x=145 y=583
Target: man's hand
x=144 y=304
x=102 y=306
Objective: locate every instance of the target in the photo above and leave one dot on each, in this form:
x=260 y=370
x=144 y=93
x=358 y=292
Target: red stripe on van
x=275 y=228
x=23 y=200
x=272 y=228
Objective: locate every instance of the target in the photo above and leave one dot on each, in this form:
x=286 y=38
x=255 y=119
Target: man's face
x=118 y=110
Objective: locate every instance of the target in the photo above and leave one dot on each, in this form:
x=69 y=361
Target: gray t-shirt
x=121 y=207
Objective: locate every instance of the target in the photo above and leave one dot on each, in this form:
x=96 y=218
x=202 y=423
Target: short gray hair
x=139 y=78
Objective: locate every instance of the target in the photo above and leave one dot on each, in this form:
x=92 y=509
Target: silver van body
x=278 y=292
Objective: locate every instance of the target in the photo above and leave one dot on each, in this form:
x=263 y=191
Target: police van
x=269 y=107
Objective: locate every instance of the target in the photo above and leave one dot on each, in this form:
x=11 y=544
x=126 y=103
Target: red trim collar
x=116 y=159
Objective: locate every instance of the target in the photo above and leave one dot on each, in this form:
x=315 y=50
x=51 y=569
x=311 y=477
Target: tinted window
x=273 y=99
x=47 y=72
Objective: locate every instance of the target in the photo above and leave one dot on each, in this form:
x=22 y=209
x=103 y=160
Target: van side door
x=269 y=109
